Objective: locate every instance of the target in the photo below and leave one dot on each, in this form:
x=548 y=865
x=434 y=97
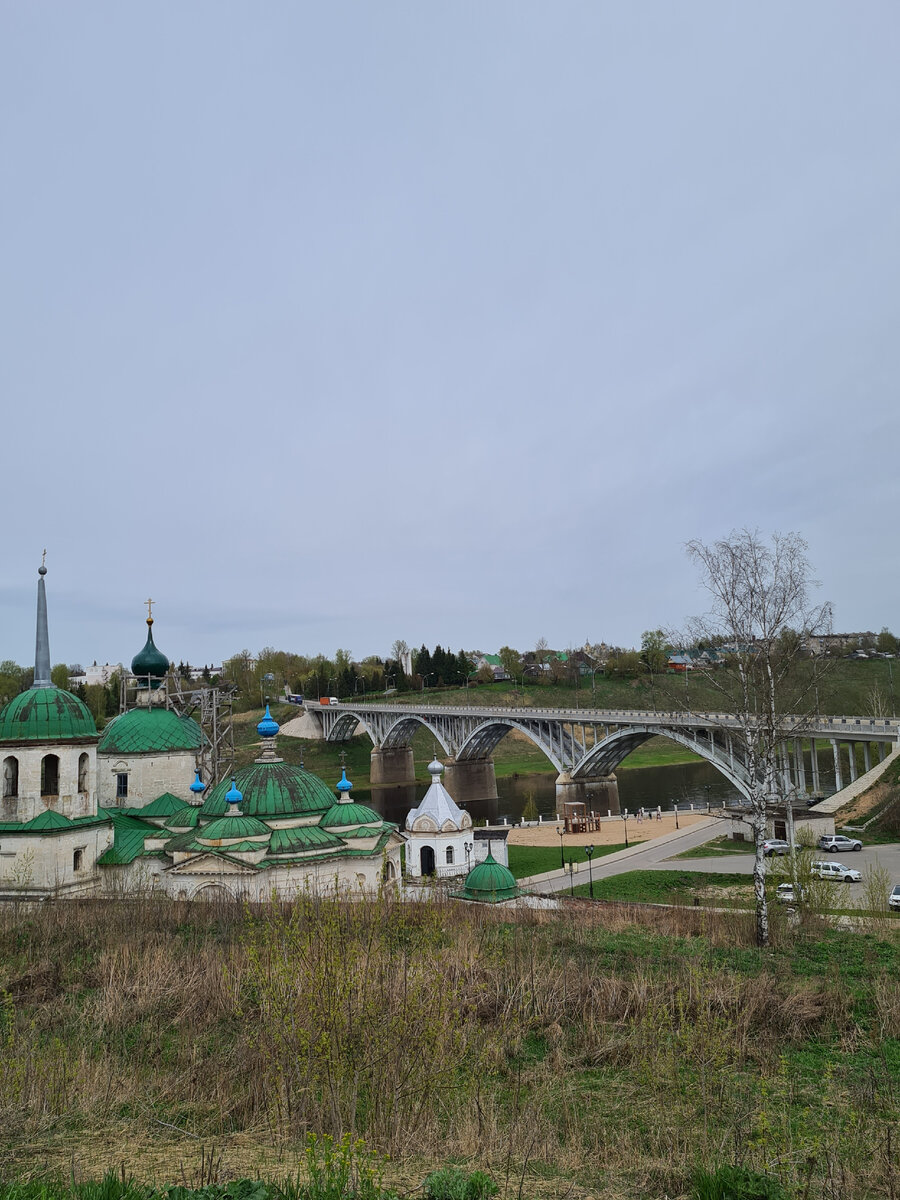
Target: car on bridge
x=834 y=843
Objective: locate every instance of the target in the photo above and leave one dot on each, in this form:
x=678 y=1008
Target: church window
x=122 y=786
x=50 y=775
x=10 y=777
x=83 y=773
x=78 y=859
x=449 y=855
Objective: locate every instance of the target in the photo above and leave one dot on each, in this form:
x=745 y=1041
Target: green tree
x=59 y=677
x=511 y=661
x=12 y=679
x=655 y=651
x=886 y=642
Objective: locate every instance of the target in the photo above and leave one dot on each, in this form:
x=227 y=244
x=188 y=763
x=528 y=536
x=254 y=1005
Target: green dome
x=150 y=661
x=46 y=714
x=186 y=818
x=349 y=814
x=272 y=789
x=490 y=881
x=234 y=826
x=150 y=731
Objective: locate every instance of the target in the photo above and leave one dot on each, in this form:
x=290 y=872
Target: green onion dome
x=48 y=714
x=342 y=814
x=233 y=828
x=272 y=789
x=490 y=881
x=150 y=664
x=150 y=731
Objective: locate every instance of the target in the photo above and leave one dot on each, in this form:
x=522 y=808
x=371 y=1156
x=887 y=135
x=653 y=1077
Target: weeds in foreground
x=605 y=1044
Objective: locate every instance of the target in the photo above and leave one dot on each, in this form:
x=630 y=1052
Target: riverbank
x=609 y=831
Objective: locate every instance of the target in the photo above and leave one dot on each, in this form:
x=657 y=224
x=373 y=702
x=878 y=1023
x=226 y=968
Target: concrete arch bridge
x=586 y=745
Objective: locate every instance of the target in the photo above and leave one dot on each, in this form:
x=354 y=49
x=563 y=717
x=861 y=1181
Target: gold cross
x=149 y=604
x=343 y=758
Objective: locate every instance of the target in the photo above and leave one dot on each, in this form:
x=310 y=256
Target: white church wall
x=149 y=775
x=67 y=800
x=64 y=862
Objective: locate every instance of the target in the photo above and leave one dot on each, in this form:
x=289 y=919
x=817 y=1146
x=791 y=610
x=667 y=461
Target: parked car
x=835 y=870
x=776 y=846
x=894 y=897
x=787 y=893
x=835 y=843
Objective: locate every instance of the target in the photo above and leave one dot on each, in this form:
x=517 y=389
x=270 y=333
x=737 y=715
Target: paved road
x=661 y=856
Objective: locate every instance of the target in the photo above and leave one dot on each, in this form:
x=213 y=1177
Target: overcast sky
x=328 y=324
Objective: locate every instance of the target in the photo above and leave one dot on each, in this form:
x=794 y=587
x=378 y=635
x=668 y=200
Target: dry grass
x=611 y=1045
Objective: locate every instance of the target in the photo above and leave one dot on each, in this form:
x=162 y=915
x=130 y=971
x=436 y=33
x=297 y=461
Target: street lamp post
x=467 y=847
x=427 y=675
x=572 y=878
x=562 y=857
x=675 y=806
x=707 y=786
x=589 y=854
x=625 y=819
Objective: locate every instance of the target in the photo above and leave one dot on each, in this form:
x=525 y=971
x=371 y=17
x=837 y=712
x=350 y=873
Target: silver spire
x=42 y=640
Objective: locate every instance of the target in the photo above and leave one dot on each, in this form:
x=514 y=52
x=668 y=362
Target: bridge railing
x=801 y=725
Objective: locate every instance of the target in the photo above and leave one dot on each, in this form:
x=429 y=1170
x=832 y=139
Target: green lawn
x=660 y=887
x=716 y=848
x=525 y=861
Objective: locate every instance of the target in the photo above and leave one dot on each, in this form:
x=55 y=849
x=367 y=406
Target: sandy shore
x=611 y=831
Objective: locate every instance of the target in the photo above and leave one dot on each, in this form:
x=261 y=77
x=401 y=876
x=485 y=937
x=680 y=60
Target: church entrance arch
x=426 y=857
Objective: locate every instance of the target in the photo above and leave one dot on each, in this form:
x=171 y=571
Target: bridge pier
x=597 y=793
x=471 y=780
x=391 y=766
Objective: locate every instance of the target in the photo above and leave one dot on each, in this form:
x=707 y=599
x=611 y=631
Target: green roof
x=490 y=881
x=150 y=731
x=187 y=817
x=46 y=714
x=49 y=819
x=129 y=834
x=272 y=789
x=363 y=831
x=300 y=838
x=163 y=806
x=234 y=825
x=349 y=814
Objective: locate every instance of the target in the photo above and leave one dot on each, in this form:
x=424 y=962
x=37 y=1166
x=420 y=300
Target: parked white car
x=786 y=893
x=835 y=870
x=894 y=897
x=836 y=843
x=776 y=846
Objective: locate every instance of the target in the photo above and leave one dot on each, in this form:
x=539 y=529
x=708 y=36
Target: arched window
x=83 y=761
x=50 y=775
x=449 y=855
x=10 y=777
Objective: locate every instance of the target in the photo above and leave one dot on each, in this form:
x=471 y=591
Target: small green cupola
x=490 y=882
x=150 y=666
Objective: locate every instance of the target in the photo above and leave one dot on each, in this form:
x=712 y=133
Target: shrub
x=451 y=1183
x=736 y=1183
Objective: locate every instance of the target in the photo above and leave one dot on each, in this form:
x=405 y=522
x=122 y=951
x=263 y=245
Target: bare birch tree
x=760 y=612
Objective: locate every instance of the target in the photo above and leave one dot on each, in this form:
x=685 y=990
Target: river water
x=640 y=787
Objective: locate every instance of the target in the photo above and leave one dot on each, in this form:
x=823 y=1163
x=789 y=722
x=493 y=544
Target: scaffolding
x=211 y=707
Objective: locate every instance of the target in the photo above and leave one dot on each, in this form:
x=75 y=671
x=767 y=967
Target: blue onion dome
x=268 y=726
x=198 y=786
x=233 y=796
x=344 y=785
x=150 y=664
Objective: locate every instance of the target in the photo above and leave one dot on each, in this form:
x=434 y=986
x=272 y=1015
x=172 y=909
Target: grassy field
x=668 y=887
x=535 y=860
x=606 y=1051
x=716 y=848
x=857 y=688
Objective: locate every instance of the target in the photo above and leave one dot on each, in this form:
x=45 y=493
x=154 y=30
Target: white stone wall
x=45 y=864
x=416 y=841
x=149 y=775
x=356 y=876
x=68 y=801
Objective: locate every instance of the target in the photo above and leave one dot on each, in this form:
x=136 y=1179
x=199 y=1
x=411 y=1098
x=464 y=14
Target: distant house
x=96 y=673
x=493 y=663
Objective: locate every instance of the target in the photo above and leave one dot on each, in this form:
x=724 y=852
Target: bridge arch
x=402 y=732
x=485 y=739
x=603 y=758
